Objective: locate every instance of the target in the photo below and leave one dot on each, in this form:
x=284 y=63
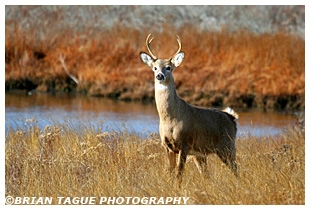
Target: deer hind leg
x=200 y=163
x=228 y=157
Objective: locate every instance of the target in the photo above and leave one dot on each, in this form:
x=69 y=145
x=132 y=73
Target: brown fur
x=186 y=129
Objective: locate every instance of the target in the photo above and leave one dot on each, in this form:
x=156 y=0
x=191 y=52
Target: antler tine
x=148 y=42
x=179 y=45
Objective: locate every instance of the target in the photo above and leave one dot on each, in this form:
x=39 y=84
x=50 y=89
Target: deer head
x=162 y=68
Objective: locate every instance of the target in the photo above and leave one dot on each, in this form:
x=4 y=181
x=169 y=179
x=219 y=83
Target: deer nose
x=160 y=77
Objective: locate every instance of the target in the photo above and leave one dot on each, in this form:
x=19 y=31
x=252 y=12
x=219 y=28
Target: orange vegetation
x=240 y=69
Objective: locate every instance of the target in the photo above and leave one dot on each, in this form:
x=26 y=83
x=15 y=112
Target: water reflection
x=105 y=114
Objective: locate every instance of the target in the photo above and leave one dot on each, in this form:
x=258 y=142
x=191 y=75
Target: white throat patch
x=159 y=86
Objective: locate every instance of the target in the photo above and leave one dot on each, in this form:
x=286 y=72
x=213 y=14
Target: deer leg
x=200 y=163
x=182 y=157
x=232 y=163
x=171 y=160
x=229 y=159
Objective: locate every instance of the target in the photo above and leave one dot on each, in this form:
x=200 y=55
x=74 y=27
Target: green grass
x=59 y=161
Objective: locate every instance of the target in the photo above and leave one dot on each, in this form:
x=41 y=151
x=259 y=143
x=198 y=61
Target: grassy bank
x=239 y=69
x=60 y=161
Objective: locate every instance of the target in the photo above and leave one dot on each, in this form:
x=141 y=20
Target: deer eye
x=155 y=68
x=168 y=68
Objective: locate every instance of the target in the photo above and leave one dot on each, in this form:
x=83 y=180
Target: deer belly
x=198 y=153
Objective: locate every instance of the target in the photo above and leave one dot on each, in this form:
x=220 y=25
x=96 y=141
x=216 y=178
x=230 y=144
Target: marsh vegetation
x=253 y=65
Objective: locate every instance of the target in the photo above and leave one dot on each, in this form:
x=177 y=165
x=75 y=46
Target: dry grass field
x=60 y=161
x=237 y=68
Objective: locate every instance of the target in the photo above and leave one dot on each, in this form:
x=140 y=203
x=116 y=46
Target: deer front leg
x=171 y=160
x=182 y=157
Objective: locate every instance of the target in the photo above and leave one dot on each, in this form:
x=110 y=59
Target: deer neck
x=167 y=100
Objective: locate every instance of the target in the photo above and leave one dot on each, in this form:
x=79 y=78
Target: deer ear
x=146 y=58
x=178 y=58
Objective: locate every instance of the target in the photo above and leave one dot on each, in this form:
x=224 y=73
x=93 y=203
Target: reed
x=60 y=161
x=240 y=69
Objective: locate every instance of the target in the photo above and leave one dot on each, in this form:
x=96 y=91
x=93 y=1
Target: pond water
x=22 y=111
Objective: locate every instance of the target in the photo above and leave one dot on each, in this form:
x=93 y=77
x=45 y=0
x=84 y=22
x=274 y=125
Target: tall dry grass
x=60 y=161
x=240 y=69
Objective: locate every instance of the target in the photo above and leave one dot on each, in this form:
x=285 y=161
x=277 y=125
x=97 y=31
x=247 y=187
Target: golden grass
x=61 y=161
x=240 y=69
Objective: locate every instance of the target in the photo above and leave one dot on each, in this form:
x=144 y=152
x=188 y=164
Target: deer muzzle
x=160 y=77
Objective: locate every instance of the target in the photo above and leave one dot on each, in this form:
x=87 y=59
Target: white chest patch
x=159 y=86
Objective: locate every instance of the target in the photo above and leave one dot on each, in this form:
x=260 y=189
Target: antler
x=179 y=45
x=148 y=42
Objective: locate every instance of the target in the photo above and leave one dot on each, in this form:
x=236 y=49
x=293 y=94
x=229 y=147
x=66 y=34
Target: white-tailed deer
x=186 y=129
